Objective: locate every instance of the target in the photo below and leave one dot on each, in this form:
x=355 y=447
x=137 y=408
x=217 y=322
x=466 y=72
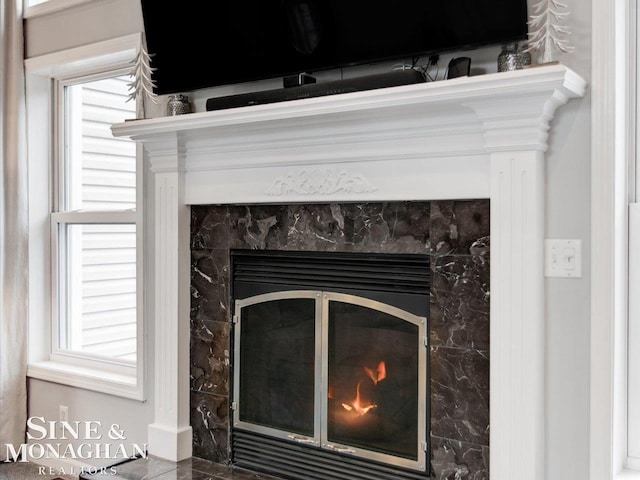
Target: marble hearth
x=439 y=144
x=456 y=236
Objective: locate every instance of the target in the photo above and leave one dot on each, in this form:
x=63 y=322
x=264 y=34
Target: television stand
x=358 y=84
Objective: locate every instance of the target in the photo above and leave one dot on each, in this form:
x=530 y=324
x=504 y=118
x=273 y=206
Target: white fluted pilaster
x=170 y=435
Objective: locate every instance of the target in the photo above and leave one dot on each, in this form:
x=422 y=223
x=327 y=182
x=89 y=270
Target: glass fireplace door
x=336 y=371
x=275 y=381
x=375 y=372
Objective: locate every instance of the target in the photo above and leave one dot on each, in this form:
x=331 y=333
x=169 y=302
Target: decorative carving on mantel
x=326 y=181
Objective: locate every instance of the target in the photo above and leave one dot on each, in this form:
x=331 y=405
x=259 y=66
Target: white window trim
x=45 y=363
x=613 y=151
x=50 y=6
x=632 y=375
x=632 y=460
x=628 y=475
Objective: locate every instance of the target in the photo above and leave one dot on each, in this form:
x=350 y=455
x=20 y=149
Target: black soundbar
x=368 y=82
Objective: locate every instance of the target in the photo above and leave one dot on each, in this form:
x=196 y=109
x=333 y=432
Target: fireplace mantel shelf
x=346 y=144
x=465 y=138
x=506 y=86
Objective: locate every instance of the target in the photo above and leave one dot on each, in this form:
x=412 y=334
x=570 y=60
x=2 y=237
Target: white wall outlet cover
x=563 y=258
x=64 y=413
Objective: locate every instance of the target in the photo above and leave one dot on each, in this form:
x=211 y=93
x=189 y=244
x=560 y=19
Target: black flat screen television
x=201 y=44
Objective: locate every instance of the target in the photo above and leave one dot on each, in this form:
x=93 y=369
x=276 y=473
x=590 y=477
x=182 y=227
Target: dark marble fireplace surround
x=456 y=236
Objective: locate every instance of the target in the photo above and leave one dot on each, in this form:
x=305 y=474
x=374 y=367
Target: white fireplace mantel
x=470 y=137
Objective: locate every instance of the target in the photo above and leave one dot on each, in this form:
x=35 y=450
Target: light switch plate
x=563 y=258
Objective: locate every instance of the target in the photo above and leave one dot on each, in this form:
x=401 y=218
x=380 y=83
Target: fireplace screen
x=373 y=379
x=338 y=372
x=277 y=355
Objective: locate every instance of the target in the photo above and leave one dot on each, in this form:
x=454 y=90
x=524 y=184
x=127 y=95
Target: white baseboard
x=170 y=443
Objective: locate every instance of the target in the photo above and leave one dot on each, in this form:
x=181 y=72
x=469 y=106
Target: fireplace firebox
x=330 y=364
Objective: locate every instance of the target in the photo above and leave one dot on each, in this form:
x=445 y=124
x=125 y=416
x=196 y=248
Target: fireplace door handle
x=305 y=440
x=328 y=446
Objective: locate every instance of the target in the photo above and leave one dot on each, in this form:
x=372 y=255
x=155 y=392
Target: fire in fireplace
x=330 y=364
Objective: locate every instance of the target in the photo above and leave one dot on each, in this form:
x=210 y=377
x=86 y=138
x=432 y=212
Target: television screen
x=221 y=42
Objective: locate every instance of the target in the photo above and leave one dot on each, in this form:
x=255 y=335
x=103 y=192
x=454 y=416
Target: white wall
x=568 y=300
x=568 y=216
x=130 y=416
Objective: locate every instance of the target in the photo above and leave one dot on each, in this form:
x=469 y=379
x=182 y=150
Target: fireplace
x=436 y=252
x=477 y=137
x=330 y=363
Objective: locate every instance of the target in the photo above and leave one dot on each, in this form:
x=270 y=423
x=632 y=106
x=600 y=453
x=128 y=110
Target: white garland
x=548 y=30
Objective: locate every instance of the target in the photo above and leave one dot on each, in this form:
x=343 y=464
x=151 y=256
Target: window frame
x=61 y=217
x=632 y=375
x=632 y=452
x=46 y=78
x=49 y=6
x=626 y=354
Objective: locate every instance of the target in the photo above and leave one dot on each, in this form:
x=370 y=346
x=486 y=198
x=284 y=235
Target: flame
x=357 y=404
x=379 y=375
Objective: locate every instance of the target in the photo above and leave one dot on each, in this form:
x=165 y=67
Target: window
x=86 y=229
x=94 y=223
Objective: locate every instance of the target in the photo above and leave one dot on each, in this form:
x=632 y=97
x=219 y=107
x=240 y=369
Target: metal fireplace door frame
x=319 y=439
